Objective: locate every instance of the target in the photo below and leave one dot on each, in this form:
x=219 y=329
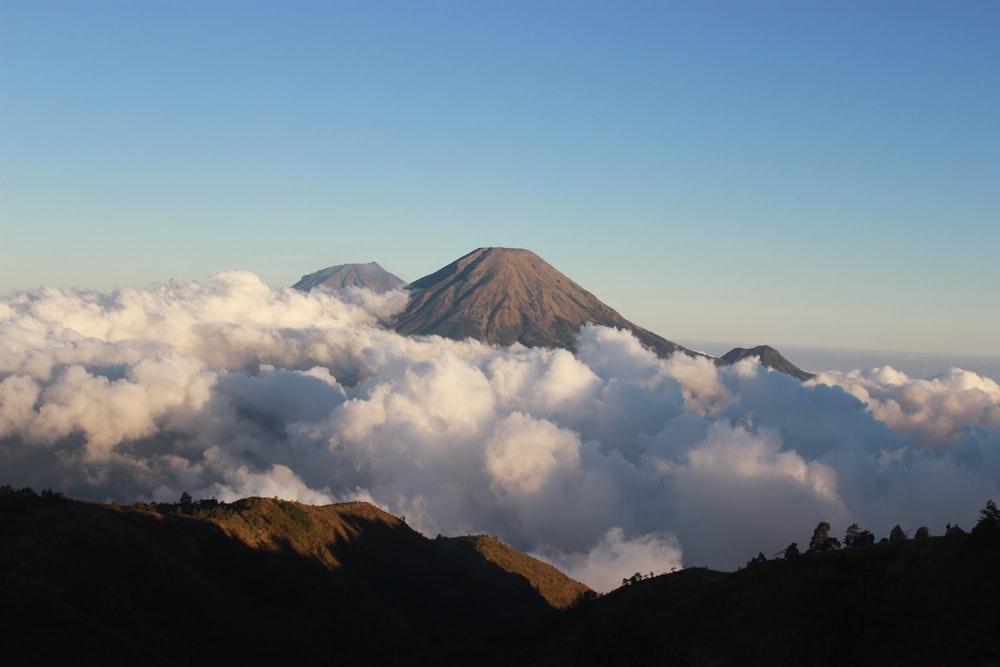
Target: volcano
x=511 y=295
x=370 y=275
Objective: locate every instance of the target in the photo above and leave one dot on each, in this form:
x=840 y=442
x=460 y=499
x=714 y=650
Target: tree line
x=985 y=533
x=19 y=499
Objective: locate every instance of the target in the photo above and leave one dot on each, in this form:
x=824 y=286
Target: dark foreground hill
x=270 y=582
x=928 y=602
x=497 y=560
x=258 y=581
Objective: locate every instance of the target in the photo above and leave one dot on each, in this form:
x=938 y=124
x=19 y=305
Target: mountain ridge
x=340 y=276
x=248 y=582
x=768 y=357
x=503 y=296
x=508 y=295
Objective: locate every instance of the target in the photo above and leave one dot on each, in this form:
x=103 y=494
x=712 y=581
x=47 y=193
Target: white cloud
x=615 y=558
x=524 y=453
x=278 y=482
x=933 y=411
x=612 y=456
x=18 y=395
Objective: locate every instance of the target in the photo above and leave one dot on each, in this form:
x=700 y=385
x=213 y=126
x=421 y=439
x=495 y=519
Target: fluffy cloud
x=725 y=484
x=608 y=462
x=525 y=453
x=934 y=411
x=614 y=558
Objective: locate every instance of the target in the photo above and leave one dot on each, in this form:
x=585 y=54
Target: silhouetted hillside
x=486 y=552
x=257 y=581
x=264 y=581
x=934 y=601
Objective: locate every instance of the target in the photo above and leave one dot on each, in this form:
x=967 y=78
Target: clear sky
x=822 y=174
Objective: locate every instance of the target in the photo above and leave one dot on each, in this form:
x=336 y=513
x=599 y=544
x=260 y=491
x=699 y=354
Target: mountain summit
x=369 y=275
x=511 y=295
x=769 y=357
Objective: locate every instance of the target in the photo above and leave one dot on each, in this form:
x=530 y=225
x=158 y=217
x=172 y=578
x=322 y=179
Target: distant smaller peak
x=768 y=356
x=369 y=275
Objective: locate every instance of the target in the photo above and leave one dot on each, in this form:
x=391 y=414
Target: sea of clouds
x=606 y=462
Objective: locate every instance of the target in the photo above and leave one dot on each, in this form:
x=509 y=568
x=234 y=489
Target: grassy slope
x=559 y=591
x=255 y=581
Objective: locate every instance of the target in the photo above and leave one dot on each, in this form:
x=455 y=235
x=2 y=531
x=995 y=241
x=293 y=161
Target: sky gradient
x=821 y=174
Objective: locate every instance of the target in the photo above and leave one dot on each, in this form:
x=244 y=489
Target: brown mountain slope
x=510 y=295
x=255 y=582
x=558 y=590
x=369 y=275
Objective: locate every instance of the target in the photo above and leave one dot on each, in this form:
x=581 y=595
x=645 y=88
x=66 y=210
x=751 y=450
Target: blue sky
x=822 y=174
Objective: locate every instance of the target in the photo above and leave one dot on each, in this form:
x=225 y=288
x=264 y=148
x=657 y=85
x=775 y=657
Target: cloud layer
x=607 y=462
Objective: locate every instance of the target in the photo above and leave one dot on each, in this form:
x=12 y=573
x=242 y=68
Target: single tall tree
x=821 y=537
x=987 y=529
x=852 y=535
x=990 y=514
